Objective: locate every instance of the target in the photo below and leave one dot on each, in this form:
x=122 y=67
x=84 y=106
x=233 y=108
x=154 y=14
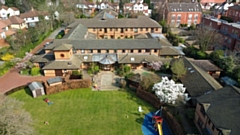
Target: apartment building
x=234 y=13
x=183 y=13
x=118 y=28
x=217 y=113
x=106 y=42
x=230 y=32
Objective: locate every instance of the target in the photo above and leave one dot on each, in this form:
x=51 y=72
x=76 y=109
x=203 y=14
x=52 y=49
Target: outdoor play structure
x=158 y=120
x=48 y=101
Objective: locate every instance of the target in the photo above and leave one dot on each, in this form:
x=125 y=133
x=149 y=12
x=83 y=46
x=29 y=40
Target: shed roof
x=54 y=80
x=35 y=85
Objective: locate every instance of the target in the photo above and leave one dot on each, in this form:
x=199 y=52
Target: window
x=94 y=29
x=85 y=57
x=110 y=29
x=121 y=30
x=100 y=29
x=135 y=30
x=126 y=29
x=62 y=55
x=190 y=16
x=155 y=50
x=139 y=50
x=107 y=51
x=33 y=18
x=146 y=29
x=141 y=29
x=229 y=41
x=116 y=29
x=202 y=110
x=115 y=51
x=132 y=59
x=131 y=29
x=131 y=51
x=147 y=50
x=123 y=51
x=173 y=17
x=99 y=51
x=90 y=51
x=179 y=17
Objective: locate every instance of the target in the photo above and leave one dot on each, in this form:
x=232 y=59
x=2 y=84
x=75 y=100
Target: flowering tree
x=156 y=65
x=168 y=91
x=24 y=63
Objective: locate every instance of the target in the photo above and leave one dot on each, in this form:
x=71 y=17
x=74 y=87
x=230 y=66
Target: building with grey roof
x=183 y=13
x=218 y=112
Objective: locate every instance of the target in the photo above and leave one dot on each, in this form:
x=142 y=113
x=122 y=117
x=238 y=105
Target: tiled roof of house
x=167 y=51
x=223 y=108
x=4 y=7
x=7 y=22
x=14 y=8
x=73 y=63
x=108 y=44
x=206 y=65
x=184 y=7
x=137 y=58
x=63 y=47
x=16 y=20
x=2 y=25
x=42 y=58
x=140 y=22
x=29 y=14
x=197 y=81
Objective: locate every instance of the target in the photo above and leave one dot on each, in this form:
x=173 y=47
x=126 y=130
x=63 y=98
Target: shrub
x=127 y=76
x=76 y=72
x=127 y=69
x=35 y=71
x=7 y=57
x=89 y=71
x=24 y=72
x=191 y=113
x=201 y=55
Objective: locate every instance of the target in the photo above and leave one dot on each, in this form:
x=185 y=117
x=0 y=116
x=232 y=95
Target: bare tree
x=207 y=38
x=149 y=80
x=13 y=119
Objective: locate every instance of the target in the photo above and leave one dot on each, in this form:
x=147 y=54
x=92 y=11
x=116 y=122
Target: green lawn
x=86 y=112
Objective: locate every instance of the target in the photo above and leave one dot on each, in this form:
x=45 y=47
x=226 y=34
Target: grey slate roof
x=54 y=80
x=108 y=44
x=73 y=63
x=197 y=81
x=167 y=51
x=78 y=32
x=137 y=58
x=42 y=58
x=184 y=7
x=63 y=47
x=236 y=7
x=35 y=85
x=206 y=65
x=140 y=22
x=224 y=108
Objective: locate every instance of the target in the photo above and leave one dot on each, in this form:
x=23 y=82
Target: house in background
x=138 y=7
x=234 y=13
x=6 y=12
x=183 y=13
x=30 y=17
x=217 y=113
x=17 y=23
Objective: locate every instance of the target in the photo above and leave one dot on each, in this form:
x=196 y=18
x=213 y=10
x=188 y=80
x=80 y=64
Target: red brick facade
x=177 y=18
x=234 y=13
x=230 y=32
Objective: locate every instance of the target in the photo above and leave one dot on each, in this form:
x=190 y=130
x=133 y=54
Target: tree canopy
x=13 y=119
x=178 y=68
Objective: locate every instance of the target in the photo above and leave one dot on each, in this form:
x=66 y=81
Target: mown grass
x=86 y=112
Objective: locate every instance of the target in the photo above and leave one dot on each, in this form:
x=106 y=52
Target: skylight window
x=85 y=57
x=132 y=59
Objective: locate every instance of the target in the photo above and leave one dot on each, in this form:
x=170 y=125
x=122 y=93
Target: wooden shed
x=37 y=89
x=55 y=81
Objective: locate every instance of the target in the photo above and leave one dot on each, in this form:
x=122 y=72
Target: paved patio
x=106 y=80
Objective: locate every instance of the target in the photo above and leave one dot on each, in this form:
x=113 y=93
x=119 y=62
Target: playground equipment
x=48 y=101
x=158 y=120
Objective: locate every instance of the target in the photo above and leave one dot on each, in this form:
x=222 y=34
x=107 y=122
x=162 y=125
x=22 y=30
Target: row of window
x=124 y=29
x=115 y=51
x=189 y=16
